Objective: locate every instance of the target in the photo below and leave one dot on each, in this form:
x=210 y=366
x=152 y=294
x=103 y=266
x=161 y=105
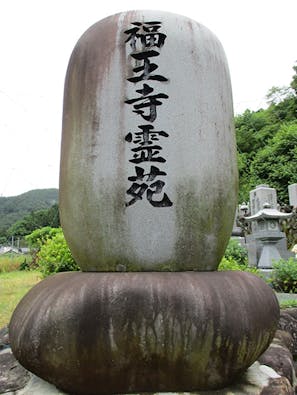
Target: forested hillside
x=14 y=208
x=267 y=143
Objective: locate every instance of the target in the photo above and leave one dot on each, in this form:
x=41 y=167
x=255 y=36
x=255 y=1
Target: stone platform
x=272 y=374
x=257 y=379
x=109 y=333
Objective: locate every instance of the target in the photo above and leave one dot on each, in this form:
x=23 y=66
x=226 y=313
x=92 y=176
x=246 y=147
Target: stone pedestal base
x=256 y=379
x=99 y=333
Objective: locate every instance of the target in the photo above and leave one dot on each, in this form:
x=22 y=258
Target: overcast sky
x=37 y=38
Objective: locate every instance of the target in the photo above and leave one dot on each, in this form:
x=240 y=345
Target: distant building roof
x=6 y=250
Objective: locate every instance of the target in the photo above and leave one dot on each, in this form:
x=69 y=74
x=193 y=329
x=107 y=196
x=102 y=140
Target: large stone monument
x=148 y=189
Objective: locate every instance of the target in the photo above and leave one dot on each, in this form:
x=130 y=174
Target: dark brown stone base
x=100 y=333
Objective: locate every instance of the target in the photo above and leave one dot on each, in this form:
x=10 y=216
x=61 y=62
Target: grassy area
x=284 y=304
x=13 y=286
x=12 y=262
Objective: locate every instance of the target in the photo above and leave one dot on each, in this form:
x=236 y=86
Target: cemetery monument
x=266 y=243
x=293 y=195
x=148 y=189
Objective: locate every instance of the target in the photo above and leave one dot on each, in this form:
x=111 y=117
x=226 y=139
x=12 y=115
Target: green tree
x=3 y=239
x=276 y=164
x=252 y=130
x=278 y=94
x=15 y=208
x=53 y=216
x=263 y=137
x=284 y=111
x=294 y=79
x=21 y=228
x=35 y=220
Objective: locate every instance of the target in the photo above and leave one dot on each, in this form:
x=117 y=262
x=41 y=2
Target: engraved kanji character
x=146 y=100
x=150 y=36
x=147 y=67
x=158 y=185
x=140 y=174
x=147 y=136
x=137 y=191
x=147 y=154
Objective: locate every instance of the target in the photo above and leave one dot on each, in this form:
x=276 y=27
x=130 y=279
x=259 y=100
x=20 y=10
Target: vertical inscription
x=146 y=41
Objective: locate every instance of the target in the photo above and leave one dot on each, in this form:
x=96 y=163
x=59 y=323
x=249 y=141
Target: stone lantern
x=267 y=230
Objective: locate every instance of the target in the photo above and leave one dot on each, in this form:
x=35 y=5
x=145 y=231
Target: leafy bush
x=235 y=258
x=284 y=275
x=38 y=237
x=35 y=240
x=54 y=256
x=236 y=252
x=231 y=264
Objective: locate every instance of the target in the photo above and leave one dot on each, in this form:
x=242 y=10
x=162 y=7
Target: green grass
x=12 y=262
x=13 y=286
x=288 y=303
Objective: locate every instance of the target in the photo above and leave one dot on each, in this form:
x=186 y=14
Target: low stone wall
x=273 y=374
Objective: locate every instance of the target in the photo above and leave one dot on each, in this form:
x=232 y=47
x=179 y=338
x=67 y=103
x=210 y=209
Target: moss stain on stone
x=203 y=228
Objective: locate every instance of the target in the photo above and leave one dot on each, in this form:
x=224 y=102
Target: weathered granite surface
x=139 y=180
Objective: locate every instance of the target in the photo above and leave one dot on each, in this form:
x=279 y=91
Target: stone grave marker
x=148 y=189
x=153 y=157
x=293 y=195
x=259 y=196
